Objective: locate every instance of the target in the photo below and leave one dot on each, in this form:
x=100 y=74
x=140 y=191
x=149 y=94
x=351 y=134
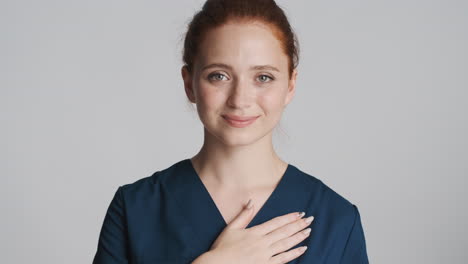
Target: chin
x=235 y=138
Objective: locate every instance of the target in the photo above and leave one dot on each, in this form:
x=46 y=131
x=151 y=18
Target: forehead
x=242 y=44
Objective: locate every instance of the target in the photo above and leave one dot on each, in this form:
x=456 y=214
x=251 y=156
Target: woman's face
x=240 y=71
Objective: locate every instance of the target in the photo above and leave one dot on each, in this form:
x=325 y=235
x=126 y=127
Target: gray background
x=92 y=98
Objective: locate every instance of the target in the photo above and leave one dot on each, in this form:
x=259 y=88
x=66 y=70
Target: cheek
x=210 y=97
x=272 y=101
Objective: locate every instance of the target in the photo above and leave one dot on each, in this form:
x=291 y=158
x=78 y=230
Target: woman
x=240 y=68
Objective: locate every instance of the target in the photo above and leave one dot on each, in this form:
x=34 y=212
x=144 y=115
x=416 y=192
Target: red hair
x=218 y=12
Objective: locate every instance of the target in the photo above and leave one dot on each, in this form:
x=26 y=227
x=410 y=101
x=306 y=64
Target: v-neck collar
x=199 y=213
x=207 y=196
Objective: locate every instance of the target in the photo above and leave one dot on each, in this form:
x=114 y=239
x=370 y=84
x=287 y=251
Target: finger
x=289 y=242
x=289 y=229
x=287 y=256
x=244 y=217
x=277 y=222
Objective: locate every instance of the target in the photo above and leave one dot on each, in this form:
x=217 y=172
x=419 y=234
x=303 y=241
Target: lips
x=240 y=118
x=239 y=121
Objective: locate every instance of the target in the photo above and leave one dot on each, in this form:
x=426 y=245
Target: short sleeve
x=112 y=244
x=355 y=251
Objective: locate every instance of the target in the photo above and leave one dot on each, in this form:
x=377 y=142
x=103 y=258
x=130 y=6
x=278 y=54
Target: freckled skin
x=240 y=90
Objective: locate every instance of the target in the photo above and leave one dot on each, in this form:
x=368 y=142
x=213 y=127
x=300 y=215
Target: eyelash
x=210 y=77
x=217 y=74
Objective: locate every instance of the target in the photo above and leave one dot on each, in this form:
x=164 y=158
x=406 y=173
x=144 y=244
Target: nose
x=240 y=95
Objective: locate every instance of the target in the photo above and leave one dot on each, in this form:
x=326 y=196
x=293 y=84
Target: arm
x=355 y=250
x=112 y=244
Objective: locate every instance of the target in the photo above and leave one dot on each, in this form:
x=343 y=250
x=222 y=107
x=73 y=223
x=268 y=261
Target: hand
x=264 y=243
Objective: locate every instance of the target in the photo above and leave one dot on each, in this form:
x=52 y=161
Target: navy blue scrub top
x=170 y=217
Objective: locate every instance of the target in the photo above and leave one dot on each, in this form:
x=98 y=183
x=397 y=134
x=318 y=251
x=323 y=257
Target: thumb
x=244 y=217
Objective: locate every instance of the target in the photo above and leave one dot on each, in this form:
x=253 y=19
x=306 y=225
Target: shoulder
x=145 y=188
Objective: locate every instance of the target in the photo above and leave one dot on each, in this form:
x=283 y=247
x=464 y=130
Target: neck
x=238 y=166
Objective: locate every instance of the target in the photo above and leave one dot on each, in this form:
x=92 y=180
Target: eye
x=216 y=76
x=264 y=78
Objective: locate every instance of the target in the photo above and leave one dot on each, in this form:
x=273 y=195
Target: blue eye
x=210 y=77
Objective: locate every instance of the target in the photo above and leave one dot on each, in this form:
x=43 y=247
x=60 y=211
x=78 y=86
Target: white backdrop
x=91 y=98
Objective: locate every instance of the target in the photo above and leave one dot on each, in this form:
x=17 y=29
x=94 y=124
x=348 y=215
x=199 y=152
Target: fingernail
x=309 y=219
x=300 y=215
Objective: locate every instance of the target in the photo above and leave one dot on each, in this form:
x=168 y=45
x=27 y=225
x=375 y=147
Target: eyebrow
x=257 y=67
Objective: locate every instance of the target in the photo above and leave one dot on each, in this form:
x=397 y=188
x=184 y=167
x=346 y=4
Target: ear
x=291 y=88
x=187 y=77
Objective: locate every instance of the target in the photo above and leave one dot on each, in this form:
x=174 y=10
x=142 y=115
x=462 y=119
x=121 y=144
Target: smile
x=239 y=123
